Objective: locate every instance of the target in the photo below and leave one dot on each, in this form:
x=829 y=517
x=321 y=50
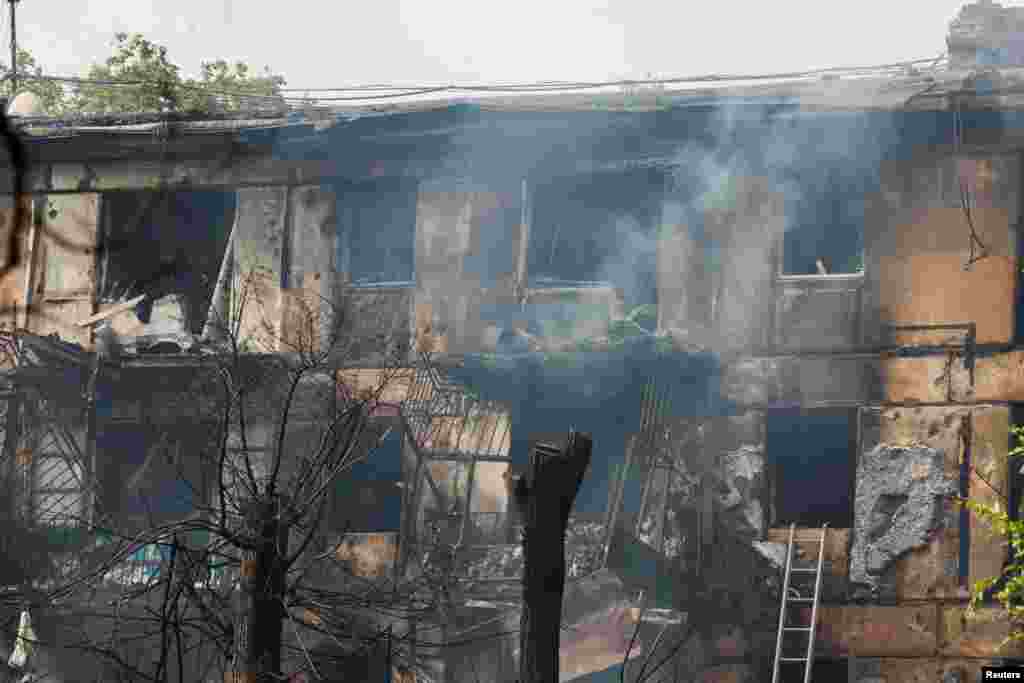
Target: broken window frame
x=152 y=209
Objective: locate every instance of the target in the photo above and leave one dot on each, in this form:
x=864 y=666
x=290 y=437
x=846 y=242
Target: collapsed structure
x=791 y=303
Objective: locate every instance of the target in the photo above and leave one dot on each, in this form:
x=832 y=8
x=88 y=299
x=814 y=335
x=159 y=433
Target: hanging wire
x=965 y=195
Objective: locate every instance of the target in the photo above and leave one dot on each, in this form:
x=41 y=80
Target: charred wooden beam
x=545 y=498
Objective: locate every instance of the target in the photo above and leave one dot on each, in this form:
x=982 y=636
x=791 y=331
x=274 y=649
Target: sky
x=317 y=44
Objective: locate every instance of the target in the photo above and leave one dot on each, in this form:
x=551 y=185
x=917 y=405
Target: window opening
x=599 y=228
x=162 y=244
x=826 y=233
x=812 y=456
x=377 y=231
x=368 y=494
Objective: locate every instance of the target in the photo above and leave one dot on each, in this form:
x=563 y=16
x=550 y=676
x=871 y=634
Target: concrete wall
x=259 y=243
x=814 y=313
x=748 y=234
x=917 y=239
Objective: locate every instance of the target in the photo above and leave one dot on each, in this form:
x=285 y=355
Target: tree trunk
x=260 y=620
x=546 y=498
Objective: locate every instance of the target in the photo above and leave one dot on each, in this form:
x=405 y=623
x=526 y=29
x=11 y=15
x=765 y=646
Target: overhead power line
x=388 y=92
x=560 y=85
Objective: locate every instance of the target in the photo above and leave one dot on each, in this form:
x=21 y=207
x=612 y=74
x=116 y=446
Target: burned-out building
x=770 y=303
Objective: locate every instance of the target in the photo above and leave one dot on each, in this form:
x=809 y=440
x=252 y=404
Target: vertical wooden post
x=546 y=498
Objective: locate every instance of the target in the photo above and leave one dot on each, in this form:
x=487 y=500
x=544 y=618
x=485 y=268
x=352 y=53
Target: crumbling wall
x=739 y=493
x=737 y=456
x=730 y=451
x=986 y=33
x=898 y=506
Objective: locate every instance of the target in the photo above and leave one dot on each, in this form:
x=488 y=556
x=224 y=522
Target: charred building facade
x=796 y=304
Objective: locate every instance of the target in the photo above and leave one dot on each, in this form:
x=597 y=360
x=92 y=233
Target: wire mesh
x=449 y=421
x=449 y=424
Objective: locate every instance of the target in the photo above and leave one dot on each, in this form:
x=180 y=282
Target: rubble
x=741 y=477
x=773 y=552
x=584 y=548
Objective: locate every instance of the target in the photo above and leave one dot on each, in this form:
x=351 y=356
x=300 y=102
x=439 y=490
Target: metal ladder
x=796 y=597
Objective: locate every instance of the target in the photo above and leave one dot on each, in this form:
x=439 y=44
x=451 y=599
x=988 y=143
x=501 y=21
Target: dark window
x=368 y=495
x=811 y=455
x=598 y=228
x=827 y=222
x=165 y=243
x=144 y=474
x=493 y=242
x=147 y=472
x=377 y=231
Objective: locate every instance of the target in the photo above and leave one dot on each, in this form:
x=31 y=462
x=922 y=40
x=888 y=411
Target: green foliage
x=219 y=76
x=663 y=344
x=135 y=59
x=1007 y=589
x=51 y=93
x=154 y=83
x=855 y=264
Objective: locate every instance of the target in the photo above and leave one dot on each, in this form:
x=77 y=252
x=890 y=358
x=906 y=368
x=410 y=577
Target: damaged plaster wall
x=259 y=243
x=916 y=249
x=740 y=473
x=900 y=490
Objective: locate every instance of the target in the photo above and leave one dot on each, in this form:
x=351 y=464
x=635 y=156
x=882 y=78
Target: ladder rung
x=792 y=659
x=804 y=570
x=789 y=600
x=796 y=628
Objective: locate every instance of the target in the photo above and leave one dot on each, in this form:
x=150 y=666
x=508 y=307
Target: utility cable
x=559 y=85
x=397 y=92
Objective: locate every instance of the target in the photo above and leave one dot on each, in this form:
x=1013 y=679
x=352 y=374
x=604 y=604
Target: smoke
x=632 y=264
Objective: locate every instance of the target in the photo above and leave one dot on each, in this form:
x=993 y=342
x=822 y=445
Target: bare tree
x=247 y=583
